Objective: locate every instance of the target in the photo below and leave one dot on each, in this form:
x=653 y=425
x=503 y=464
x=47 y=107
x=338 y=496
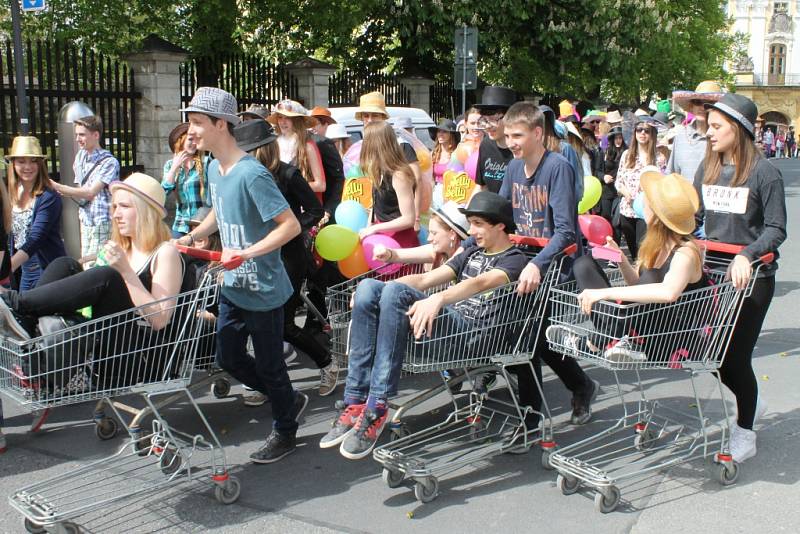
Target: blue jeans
x=29 y=275
x=379 y=335
x=266 y=372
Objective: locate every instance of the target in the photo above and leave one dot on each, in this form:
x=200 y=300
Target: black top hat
x=492 y=206
x=739 y=108
x=253 y=134
x=495 y=96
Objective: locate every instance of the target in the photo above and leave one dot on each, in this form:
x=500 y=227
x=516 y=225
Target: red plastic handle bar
x=209 y=255
x=540 y=242
x=728 y=248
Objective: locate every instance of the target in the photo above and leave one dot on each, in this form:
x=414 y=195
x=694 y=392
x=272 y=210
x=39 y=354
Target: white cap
x=336 y=131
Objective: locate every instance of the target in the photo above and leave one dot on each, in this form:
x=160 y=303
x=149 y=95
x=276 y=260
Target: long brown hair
x=302 y=159
x=269 y=156
x=437 y=150
x=381 y=154
x=42 y=181
x=6 y=205
x=576 y=144
x=649 y=148
x=551 y=141
x=744 y=157
x=198 y=163
x=658 y=237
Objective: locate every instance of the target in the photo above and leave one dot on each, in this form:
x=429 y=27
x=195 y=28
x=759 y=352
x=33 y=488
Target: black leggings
x=296 y=260
x=633 y=231
x=737 y=367
x=64 y=288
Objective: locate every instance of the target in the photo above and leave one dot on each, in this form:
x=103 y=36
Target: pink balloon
x=471 y=166
x=595 y=228
x=370 y=242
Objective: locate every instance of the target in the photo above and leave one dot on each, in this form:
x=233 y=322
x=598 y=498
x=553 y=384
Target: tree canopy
x=620 y=50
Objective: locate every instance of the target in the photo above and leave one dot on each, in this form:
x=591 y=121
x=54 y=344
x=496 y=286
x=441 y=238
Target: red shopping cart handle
x=540 y=242
x=728 y=248
x=209 y=255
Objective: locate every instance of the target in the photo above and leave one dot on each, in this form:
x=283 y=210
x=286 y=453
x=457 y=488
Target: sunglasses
x=644 y=129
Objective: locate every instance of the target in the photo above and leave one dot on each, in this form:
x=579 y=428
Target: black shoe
x=449 y=377
x=276 y=447
x=582 y=404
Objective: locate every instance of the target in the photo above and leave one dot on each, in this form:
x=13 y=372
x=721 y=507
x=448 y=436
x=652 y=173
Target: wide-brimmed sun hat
x=146 y=187
x=707 y=91
x=290 y=108
x=372 y=103
x=25 y=146
x=214 y=102
x=614 y=117
x=452 y=217
x=672 y=198
x=323 y=115
x=254 y=133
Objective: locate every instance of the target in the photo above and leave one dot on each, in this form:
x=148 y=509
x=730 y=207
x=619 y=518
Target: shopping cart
x=113 y=356
x=691 y=334
x=486 y=425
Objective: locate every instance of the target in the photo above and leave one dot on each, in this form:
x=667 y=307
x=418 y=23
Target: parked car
x=422 y=121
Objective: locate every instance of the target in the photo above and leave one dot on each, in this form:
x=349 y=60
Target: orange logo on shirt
x=359 y=189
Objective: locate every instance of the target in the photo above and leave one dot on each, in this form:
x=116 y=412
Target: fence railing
x=57 y=73
x=346 y=86
x=446 y=100
x=251 y=79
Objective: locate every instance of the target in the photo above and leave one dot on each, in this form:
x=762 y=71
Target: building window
x=777 y=63
x=781 y=7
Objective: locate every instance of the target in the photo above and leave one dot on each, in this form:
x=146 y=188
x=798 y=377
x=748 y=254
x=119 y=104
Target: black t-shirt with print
x=475 y=261
x=492 y=163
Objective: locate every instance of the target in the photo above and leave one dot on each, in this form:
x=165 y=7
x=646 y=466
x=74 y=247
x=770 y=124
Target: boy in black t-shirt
x=493 y=154
x=384 y=314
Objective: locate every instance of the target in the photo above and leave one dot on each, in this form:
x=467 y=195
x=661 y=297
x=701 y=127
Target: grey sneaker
x=582 y=404
x=368 y=429
x=11 y=323
x=276 y=447
x=254 y=397
x=327 y=378
x=484 y=382
x=565 y=337
x=300 y=403
x=624 y=352
x=289 y=354
x=343 y=425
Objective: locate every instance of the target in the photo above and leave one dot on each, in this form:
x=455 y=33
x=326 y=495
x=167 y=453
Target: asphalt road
x=316 y=490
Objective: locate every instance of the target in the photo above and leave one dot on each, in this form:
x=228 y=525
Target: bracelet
x=191 y=237
x=391 y=254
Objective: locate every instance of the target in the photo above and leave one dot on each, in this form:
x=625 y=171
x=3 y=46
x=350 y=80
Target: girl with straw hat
x=296 y=148
x=669 y=263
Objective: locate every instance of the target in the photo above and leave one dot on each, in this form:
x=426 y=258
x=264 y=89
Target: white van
x=419 y=118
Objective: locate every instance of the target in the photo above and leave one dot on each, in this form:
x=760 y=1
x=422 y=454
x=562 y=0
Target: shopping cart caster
x=477 y=429
x=645 y=439
x=727 y=471
x=607 y=503
x=426 y=489
x=392 y=478
x=548 y=448
x=106 y=428
x=398 y=430
x=170 y=461
x=34 y=528
x=228 y=492
x=567 y=484
x=65 y=528
x=220 y=388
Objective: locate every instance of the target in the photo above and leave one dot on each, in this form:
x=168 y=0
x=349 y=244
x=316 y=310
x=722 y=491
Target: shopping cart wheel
x=426 y=489
x=106 y=428
x=608 y=504
x=221 y=387
x=568 y=485
x=228 y=493
x=398 y=430
x=646 y=439
x=547 y=452
x=727 y=473
x=170 y=461
x=392 y=478
x=34 y=528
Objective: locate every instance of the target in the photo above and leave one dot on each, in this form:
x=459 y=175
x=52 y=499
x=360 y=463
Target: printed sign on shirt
x=725 y=199
x=359 y=189
x=457 y=186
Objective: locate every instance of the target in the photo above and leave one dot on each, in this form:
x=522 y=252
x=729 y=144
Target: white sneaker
x=623 y=352
x=289 y=354
x=742 y=443
x=253 y=397
x=327 y=378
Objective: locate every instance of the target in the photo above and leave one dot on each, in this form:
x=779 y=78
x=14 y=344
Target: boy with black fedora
x=384 y=313
x=254 y=222
x=493 y=154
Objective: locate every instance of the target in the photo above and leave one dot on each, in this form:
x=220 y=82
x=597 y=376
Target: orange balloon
x=424 y=159
x=355 y=264
x=462 y=153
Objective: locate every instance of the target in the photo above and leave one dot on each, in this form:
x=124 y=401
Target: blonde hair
x=198 y=164
x=42 y=181
x=649 y=148
x=745 y=156
x=381 y=154
x=150 y=231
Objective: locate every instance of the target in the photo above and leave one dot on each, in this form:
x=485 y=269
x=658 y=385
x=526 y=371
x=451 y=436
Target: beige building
x=768 y=71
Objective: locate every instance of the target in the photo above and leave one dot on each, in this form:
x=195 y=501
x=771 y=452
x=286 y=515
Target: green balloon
x=592 y=189
x=336 y=242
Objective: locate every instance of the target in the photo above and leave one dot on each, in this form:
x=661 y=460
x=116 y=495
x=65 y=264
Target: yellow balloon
x=424 y=159
x=592 y=190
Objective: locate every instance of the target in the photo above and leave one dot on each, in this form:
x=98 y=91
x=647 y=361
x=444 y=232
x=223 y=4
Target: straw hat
x=336 y=131
x=146 y=187
x=372 y=103
x=614 y=117
x=672 y=198
x=707 y=91
x=25 y=146
x=323 y=115
x=290 y=108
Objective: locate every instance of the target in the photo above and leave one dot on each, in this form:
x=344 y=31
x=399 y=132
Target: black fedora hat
x=739 y=108
x=445 y=125
x=492 y=206
x=495 y=96
x=253 y=134
x=616 y=130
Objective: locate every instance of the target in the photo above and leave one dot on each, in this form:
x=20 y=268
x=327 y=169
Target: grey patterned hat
x=214 y=102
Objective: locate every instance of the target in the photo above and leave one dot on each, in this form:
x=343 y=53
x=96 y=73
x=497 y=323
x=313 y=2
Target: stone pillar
x=312 y=81
x=420 y=88
x=156 y=76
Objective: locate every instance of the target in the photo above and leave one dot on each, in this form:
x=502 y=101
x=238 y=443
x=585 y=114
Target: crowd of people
x=258 y=184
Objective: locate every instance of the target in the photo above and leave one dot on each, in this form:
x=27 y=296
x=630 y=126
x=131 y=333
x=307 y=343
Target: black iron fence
x=446 y=101
x=250 y=78
x=346 y=86
x=58 y=73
